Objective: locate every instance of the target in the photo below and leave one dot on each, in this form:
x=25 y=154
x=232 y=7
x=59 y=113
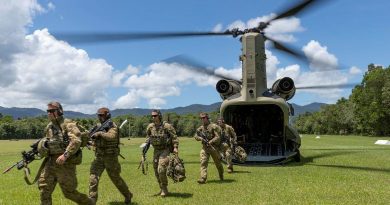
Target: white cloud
x=355 y=70
x=319 y=57
x=51 y=6
x=165 y=79
x=53 y=70
x=218 y=28
x=37 y=68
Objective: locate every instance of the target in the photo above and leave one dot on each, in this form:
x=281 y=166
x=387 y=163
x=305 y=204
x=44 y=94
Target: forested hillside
x=366 y=112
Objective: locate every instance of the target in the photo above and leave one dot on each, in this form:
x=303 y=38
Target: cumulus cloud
x=53 y=69
x=37 y=68
x=162 y=80
x=319 y=57
x=355 y=70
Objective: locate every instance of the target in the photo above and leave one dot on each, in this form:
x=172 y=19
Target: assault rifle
x=206 y=142
x=143 y=164
x=103 y=127
x=27 y=158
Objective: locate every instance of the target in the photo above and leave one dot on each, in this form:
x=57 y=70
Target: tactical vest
x=58 y=138
x=107 y=147
x=159 y=136
x=207 y=131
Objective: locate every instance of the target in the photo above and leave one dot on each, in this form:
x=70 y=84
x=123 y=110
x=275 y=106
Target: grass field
x=333 y=170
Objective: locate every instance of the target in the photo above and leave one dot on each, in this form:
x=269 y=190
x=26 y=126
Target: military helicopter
x=259 y=115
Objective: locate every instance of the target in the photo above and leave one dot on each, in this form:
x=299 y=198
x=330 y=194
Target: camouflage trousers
x=65 y=175
x=111 y=164
x=160 y=165
x=205 y=153
x=228 y=153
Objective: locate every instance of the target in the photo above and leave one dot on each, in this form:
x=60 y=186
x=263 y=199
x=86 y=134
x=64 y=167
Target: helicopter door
x=259 y=129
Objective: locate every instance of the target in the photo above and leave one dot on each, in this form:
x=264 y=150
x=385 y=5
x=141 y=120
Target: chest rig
x=159 y=136
x=58 y=138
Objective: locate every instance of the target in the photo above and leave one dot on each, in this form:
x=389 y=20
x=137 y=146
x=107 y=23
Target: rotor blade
x=301 y=56
x=97 y=37
x=294 y=9
x=287 y=49
x=291 y=11
x=348 y=85
x=196 y=66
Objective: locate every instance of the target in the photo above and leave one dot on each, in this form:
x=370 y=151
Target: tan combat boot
x=128 y=198
x=230 y=170
x=164 y=191
x=202 y=181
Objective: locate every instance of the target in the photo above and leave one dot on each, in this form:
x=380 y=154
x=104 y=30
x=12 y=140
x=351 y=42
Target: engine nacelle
x=284 y=87
x=227 y=88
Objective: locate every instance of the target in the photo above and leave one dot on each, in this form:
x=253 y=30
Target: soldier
x=106 y=146
x=163 y=137
x=62 y=146
x=228 y=141
x=208 y=133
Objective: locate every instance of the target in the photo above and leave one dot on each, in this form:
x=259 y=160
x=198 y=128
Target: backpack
x=240 y=154
x=176 y=170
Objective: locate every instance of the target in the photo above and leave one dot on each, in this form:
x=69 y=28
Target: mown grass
x=333 y=170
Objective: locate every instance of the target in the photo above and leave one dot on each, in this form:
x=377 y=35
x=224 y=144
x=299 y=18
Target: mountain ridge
x=17 y=113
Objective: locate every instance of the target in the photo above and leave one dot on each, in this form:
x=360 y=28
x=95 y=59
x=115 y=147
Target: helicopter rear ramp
x=260 y=130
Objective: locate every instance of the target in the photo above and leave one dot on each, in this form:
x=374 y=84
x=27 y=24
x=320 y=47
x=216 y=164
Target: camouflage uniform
x=164 y=139
x=228 y=140
x=64 y=174
x=212 y=132
x=106 y=148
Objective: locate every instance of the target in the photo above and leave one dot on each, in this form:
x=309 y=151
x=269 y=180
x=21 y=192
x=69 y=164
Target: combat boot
x=92 y=201
x=230 y=170
x=221 y=176
x=202 y=181
x=164 y=191
x=128 y=198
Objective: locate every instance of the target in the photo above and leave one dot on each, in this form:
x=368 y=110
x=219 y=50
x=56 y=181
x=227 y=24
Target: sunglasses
x=51 y=110
x=203 y=117
x=154 y=115
x=100 y=115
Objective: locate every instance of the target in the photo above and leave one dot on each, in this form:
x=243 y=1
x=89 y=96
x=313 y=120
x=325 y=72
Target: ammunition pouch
x=55 y=147
x=101 y=151
x=160 y=141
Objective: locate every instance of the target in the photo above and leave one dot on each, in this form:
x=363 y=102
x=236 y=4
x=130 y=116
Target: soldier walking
x=163 y=137
x=228 y=141
x=106 y=146
x=62 y=148
x=209 y=133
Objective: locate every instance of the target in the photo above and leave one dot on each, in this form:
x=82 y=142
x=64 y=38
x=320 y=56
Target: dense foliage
x=366 y=112
x=33 y=128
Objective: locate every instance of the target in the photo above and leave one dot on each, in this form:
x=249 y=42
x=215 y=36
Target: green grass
x=334 y=170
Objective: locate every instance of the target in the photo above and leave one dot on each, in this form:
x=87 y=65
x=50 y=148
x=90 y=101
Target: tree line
x=365 y=112
x=33 y=128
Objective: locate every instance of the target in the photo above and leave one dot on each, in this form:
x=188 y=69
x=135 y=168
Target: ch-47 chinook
x=259 y=115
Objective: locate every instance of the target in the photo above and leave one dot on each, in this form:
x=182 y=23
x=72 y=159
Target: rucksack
x=176 y=170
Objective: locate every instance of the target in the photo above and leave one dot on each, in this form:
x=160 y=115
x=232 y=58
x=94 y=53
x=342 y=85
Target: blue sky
x=39 y=68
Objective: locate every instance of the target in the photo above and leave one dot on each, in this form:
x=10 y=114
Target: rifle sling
x=27 y=173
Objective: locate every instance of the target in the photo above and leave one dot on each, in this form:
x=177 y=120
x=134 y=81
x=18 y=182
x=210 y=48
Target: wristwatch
x=66 y=154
